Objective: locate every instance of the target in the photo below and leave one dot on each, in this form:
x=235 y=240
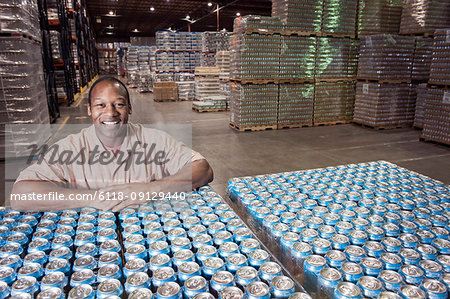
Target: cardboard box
x=165 y=91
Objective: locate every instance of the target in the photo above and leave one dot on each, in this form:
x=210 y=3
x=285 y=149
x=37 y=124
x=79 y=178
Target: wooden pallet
x=382 y=127
x=294 y=81
x=317 y=80
x=331 y=123
x=209 y=109
x=300 y=32
x=341 y=35
x=256 y=81
x=262 y=32
x=424 y=34
x=438 y=85
x=384 y=81
x=166 y=100
x=186 y=99
x=253 y=128
x=432 y=140
x=294 y=125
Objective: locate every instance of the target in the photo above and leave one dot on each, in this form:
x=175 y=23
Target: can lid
x=203 y=296
x=5 y=271
x=351 y=268
x=390 y=276
x=86 y=248
x=258 y=288
x=411 y=270
x=24 y=283
x=189 y=267
x=371 y=283
x=141 y=293
x=109 y=286
x=137 y=279
x=195 y=283
x=135 y=264
x=163 y=273
x=213 y=263
x=168 y=289
x=222 y=277
x=247 y=272
x=82 y=275
x=80 y=292
x=410 y=291
x=331 y=274
x=53 y=277
x=231 y=293
x=84 y=260
x=29 y=268
x=52 y=292
x=283 y=282
x=348 y=289
x=108 y=270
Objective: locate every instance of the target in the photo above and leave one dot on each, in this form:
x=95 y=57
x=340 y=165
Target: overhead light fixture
x=152 y=8
x=135 y=30
x=209 y=4
x=98 y=19
x=109 y=33
x=238 y=14
x=111 y=13
x=188 y=17
x=110 y=27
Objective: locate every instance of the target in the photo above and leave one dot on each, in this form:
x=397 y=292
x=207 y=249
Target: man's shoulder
x=76 y=140
x=145 y=132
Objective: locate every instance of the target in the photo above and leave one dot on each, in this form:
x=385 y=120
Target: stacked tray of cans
x=195 y=246
x=359 y=230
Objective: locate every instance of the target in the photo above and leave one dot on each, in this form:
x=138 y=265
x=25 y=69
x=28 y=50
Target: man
x=118 y=164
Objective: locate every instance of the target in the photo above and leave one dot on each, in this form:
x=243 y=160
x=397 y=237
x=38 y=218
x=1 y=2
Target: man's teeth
x=110 y=122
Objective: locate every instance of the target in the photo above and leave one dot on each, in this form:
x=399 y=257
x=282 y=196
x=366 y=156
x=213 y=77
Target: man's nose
x=111 y=110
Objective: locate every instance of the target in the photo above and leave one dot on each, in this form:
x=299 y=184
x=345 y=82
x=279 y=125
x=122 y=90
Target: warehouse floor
x=233 y=153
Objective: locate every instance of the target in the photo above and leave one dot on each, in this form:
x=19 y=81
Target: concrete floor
x=233 y=153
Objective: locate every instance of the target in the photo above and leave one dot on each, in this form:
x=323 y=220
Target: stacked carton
x=165 y=91
x=424 y=16
x=207 y=82
x=422 y=58
x=295 y=106
x=299 y=15
x=223 y=62
x=421 y=91
x=258 y=24
x=20 y=16
x=297 y=57
x=336 y=58
x=333 y=102
x=379 y=16
x=339 y=17
x=440 y=64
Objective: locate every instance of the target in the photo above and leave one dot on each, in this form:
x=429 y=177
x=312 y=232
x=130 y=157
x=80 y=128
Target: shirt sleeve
x=177 y=154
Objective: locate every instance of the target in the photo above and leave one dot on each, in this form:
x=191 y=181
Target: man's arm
x=49 y=192
x=191 y=176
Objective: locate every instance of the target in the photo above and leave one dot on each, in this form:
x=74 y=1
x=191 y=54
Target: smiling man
x=110 y=165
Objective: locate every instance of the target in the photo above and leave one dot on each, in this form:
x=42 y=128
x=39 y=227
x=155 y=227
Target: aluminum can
x=257 y=290
x=169 y=290
x=391 y=261
x=409 y=256
x=249 y=245
x=427 y=252
x=412 y=274
x=335 y=258
x=11 y=248
x=85 y=276
x=31 y=269
x=258 y=257
x=347 y=290
x=440 y=232
x=54 y=279
x=182 y=256
x=205 y=252
x=201 y=240
x=83 y=291
x=159 y=261
x=109 y=258
x=442 y=245
x=110 y=287
x=312 y=266
x=158 y=247
x=321 y=246
x=7 y=275
x=133 y=240
x=84 y=262
x=246 y=275
x=163 y=275
x=242 y=233
x=355 y=253
x=195 y=285
x=141 y=293
x=43 y=233
x=86 y=249
x=432 y=269
x=340 y=241
x=391 y=279
x=83 y=238
x=228 y=248
x=53 y=293
x=410 y=291
x=28 y=285
x=282 y=286
x=444 y=260
x=391 y=244
x=221 y=280
x=57 y=265
x=134 y=266
x=425 y=236
x=188 y=269
x=231 y=292
x=434 y=288
x=308 y=235
x=328 y=280
x=156 y=236
x=408 y=240
x=106 y=234
x=136 y=281
x=212 y=265
x=36 y=257
x=233 y=224
x=358 y=237
x=370 y=286
x=110 y=271
x=20 y=238
x=109 y=246
x=136 y=251
x=236 y=261
x=371 y=266
x=351 y=272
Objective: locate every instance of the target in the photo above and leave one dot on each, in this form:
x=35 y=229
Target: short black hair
x=110 y=79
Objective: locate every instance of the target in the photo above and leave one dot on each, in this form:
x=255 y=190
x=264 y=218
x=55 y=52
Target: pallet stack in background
x=385 y=97
x=436 y=121
x=207 y=91
x=379 y=17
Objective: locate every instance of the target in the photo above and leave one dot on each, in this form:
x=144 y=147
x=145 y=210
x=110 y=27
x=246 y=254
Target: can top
x=195 y=283
x=84 y=260
x=229 y=247
x=159 y=259
x=34 y=256
x=430 y=266
x=258 y=289
x=352 y=268
x=23 y=283
x=391 y=258
x=236 y=259
x=247 y=272
x=434 y=286
x=355 y=250
x=109 y=244
x=162 y=273
x=80 y=292
x=189 y=267
x=29 y=268
x=371 y=283
x=135 y=249
x=203 y=296
x=109 y=286
x=271 y=267
x=135 y=264
x=52 y=292
x=60 y=251
x=299 y=295
x=168 y=289
x=250 y=243
x=5 y=271
x=331 y=274
x=82 y=275
x=410 y=291
x=183 y=254
x=86 y=248
x=348 y=289
x=259 y=254
x=108 y=270
x=390 y=276
x=53 y=277
x=141 y=293
x=231 y=293
x=336 y=255
x=213 y=263
x=138 y=278
x=206 y=250
x=223 y=277
x=411 y=270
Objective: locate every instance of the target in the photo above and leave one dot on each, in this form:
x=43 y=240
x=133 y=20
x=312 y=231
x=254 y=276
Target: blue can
x=444 y=260
x=392 y=280
x=64 y=230
x=347 y=290
x=110 y=287
x=136 y=281
x=375 y=233
x=236 y=261
x=195 y=285
x=425 y=237
x=427 y=252
x=39 y=257
x=109 y=246
x=391 y=229
x=109 y=258
x=370 y=286
x=360 y=223
x=163 y=275
x=32 y=269
x=61 y=252
x=412 y=274
x=344 y=227
x=340 y=241
x=258 y=257
x=374 y=248
x=84 y=262
x=202 y=240
x=159 y=261
x=308 y=235
x=23 y=228
x=352 y=272
x=158 y=247
x=27 y=285
x=7 y=275
x=391 y=261
x=221 y=280
x=187 y=270
x=358 y=237
x=434 y=288
x=335 y=258
x=182 y=256
x=257 y=290
x=83 y=238
x=134 y=266
x=409 y=256
x=432 y=269
x=440 y=232
x=423 y=223
x=248 y=245
x=57 y=265
x=86 y=249
x=371 y=266
x=54 y=279
x=282 y=286
x=321 y=246
x=136 y=251
x=212 y=265
x=391 y=244
x=228 y=248
x=11 y=248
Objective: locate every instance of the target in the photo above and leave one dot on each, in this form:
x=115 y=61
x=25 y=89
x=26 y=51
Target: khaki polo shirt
x=145 y=155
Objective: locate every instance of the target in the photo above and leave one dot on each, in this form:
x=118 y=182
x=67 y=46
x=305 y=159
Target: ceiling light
x=110 y=33
x=238 y=14
x=152 y=8
x=111 y=13
x=98 y=20
x=188 y=17
x=110 y=27
x=209 y=4
x=135 y=30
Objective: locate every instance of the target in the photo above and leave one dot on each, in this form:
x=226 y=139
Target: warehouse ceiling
x=121 y=19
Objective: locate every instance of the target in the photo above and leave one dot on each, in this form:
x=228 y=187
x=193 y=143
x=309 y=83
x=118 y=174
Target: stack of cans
x=358 y=230
x=195 y=246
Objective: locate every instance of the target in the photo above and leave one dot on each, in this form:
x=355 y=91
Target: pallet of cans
x=367 y=230
x=422 y=59
x=386 y=57
x=421 y=91
x=440 y=64
x=299 y=16
x=258 y=24
x=194 y=246
x=423 y=17
x=223 y=62
x=379 y=17
x=336 y=58
x=436 y=119
x=186 y=90
x=339 y=17
x=18 y=16
x=384 y=105
x=207 y=82
x=295 y=106
x=297 y=58
x=333 y=102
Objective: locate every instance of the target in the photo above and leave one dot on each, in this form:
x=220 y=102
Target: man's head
x=109 y=105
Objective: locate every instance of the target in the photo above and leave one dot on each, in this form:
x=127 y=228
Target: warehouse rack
x=49 y=70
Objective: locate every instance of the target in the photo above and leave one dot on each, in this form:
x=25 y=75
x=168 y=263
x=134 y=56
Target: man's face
x=109 y=108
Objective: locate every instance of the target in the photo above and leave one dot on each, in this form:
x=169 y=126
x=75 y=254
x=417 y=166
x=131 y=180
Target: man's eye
x=99 y=105
x=120 y=104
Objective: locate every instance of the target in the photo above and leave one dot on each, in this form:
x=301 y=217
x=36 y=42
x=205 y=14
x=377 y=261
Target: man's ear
x=129 y=109
x=89 y=109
